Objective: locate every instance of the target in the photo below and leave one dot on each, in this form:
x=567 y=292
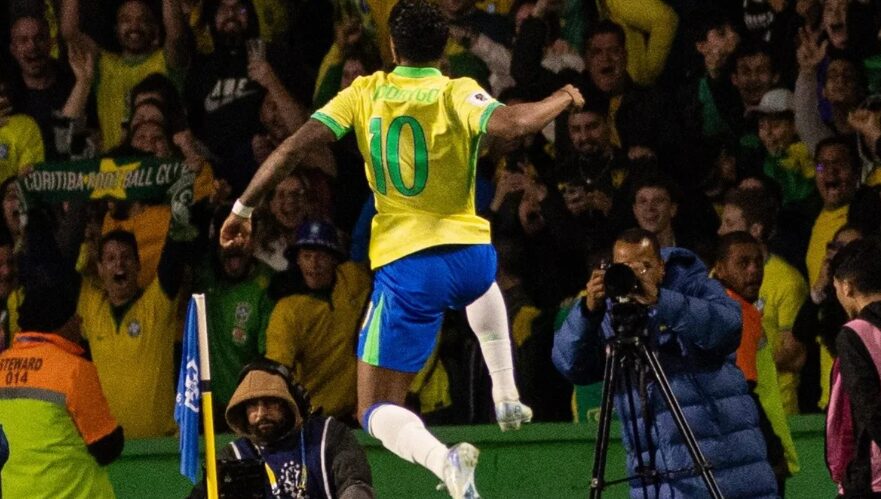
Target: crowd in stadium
x=701 y=119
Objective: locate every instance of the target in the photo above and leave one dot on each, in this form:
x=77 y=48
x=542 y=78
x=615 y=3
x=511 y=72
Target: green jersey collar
x=414 y=72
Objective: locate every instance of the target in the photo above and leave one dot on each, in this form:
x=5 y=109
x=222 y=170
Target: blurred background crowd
x=702 y=118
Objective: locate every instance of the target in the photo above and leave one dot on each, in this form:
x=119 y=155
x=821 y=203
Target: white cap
x=779 y=100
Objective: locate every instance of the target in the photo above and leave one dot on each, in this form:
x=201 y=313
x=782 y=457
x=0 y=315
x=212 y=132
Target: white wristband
x=240 y=210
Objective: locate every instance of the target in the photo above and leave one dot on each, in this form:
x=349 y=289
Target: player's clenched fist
x=235 y=232
x=577 y=99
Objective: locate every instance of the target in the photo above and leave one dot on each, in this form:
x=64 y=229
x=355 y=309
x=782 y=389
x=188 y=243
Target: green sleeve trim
x=417 y=71
x=484 y=118
x=335 y=127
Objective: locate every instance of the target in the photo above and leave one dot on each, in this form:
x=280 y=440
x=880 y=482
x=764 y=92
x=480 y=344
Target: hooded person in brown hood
x=262 y=408
x=276 y=427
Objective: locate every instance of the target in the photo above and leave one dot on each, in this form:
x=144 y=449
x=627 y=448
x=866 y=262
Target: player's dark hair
x=656 y=181
x=122 y=237
x=859 y=264
x=210 y=11
x=756 y=208
x=149 y=6
x=726 y=242
x=767 y=187
x=419 y=30
x=162 y=106
x=711 y=18
x=33 y=13
x=605 y=27
x=173 y=104
x=845 y=142
x=856 y=64
x=751 y=48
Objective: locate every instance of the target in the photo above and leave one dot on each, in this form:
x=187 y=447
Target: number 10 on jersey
x=385 y=155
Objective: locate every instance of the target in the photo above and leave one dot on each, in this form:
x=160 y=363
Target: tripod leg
x=690 y=441
x=597 y=482
x=631 y=370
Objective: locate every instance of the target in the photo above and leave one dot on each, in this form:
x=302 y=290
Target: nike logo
x=227 y=91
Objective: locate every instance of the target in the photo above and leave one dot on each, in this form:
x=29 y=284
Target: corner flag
x=186 y=409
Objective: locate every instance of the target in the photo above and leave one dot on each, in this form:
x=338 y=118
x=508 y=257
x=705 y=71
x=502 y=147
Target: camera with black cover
x=628 y=316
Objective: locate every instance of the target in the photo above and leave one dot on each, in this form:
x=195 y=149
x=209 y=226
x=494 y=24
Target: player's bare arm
x=312 y=135
x=518 y=120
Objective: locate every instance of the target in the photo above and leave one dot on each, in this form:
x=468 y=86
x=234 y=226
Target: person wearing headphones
x=282 y=445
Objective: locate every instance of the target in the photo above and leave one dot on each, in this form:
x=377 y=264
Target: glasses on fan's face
x=832 y=165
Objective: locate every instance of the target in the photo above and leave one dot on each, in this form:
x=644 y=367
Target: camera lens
x=620 y=281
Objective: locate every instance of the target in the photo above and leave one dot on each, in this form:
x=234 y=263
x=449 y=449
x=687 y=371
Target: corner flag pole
x=207 y=405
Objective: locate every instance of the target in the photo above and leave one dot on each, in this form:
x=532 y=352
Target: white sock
x=403 y=433
x=488 y=318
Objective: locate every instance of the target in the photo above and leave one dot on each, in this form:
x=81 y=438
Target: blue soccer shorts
x=410 y=296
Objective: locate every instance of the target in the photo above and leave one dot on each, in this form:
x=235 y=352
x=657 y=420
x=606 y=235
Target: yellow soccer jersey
x=317 y=338
x=419 y=132
x=116 y=76
x=135 y=358
x=21 y=145
x=783 y=292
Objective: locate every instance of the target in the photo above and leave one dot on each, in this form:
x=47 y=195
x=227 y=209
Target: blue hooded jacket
x=695 y=330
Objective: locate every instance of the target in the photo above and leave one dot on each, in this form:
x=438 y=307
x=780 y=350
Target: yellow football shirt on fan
x=115 y=78
x=419 y=132
x=21 y=145
x=134 y=356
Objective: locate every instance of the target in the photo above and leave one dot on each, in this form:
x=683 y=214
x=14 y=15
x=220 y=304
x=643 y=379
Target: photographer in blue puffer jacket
x=695 y=329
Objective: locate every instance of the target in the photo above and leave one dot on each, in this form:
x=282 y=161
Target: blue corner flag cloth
x=188 y=401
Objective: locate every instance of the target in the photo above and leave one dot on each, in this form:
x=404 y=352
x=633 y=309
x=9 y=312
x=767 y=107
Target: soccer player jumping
x=419 y=132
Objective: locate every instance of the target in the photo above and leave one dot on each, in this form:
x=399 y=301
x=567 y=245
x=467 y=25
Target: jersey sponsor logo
x=227 y=91
x=134 y=329
x=391 y=93
x=479 y=99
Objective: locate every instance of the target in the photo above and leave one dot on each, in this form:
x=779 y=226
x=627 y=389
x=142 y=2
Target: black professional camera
x=628 y=317
x=620 y=281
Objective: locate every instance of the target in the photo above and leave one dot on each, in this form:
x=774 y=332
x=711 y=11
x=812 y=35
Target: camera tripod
x=630 y=353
